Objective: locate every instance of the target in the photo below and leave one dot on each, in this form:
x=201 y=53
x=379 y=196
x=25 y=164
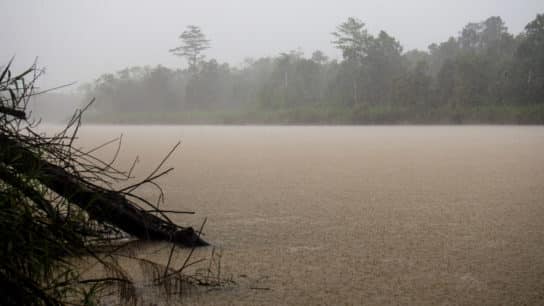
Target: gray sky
x=79 y=40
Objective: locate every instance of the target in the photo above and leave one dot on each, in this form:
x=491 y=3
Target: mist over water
x=336 y=148
x=375 y=215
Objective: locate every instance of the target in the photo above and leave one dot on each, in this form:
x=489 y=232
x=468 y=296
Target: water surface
x=351 y=215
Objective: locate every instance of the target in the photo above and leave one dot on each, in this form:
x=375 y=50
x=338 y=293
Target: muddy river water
x=420 y=215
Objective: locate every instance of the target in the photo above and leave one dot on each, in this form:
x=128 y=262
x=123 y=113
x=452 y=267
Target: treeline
x=483 y=75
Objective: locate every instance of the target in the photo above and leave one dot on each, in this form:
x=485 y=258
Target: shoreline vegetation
x=483 y=75
x=494 y=115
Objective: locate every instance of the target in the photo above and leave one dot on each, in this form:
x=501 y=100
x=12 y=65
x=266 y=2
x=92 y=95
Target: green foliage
x=484 y=67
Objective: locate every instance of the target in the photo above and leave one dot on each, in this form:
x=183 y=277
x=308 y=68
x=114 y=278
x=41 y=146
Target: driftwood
x=100 y=203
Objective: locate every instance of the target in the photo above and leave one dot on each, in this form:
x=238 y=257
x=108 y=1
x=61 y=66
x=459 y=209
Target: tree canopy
x=483 y=74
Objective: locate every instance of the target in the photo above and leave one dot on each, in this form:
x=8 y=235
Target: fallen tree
x=100 y=203
x=58 y=201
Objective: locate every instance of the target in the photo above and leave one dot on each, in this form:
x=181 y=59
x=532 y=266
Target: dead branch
x=101 y=204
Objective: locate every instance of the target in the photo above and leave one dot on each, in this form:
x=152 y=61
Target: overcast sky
x=79 y=40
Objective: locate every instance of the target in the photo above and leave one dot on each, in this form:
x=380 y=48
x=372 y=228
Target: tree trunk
x=101 y=204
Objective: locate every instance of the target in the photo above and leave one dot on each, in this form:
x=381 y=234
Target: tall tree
x=353 y=39
x=194 y=42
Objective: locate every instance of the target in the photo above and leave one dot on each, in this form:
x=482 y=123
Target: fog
x=341 y=152
x=79 y=40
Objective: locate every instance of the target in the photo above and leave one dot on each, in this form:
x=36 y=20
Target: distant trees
x=210 y=87
x=319 y=57
x=353 y=40
x=474 y=69
x=294 y=81
x=372 y=63
x=483 y=73
x=193 y=43
x=139 y=89
x=530 y=58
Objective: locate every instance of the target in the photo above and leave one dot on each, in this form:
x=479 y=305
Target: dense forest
x=483 y=75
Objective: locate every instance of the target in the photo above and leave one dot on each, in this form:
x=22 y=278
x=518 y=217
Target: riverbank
x=493 y=114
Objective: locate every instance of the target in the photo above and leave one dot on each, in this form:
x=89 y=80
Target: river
x=421 y=215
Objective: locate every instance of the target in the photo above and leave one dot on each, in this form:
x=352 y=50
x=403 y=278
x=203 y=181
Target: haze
x=78 y=41
x=341 y=152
